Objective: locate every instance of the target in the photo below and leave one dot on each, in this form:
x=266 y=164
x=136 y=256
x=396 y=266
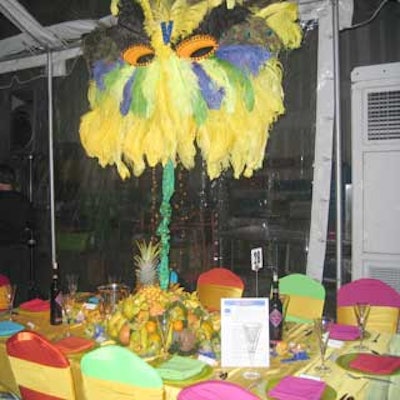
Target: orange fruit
x=178 y=325
x=151 y=326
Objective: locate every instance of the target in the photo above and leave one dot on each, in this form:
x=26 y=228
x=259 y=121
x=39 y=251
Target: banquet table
x=301 y=334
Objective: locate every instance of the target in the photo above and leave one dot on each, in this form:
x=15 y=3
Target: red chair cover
x=31 y=346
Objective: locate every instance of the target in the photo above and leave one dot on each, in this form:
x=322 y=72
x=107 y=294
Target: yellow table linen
x=361 y=389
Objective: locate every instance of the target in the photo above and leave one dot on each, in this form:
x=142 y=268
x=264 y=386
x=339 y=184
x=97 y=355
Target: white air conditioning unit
x=376 y=173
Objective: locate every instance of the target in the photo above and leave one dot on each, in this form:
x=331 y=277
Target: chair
x=218 y=283
x=215 y=390
x=41 y=371
x=307 y=297
x=4 y=281
x=115 y=373
x=384 y=301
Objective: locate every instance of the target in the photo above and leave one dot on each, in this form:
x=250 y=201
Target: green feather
x=139 y=104
x=200 y=109
x=241 y=80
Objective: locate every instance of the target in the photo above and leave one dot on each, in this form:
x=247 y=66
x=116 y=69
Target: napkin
x=8 y=328
x=180 y=368
x=35 y=305
x=344 y=332
x=296 y=388
x=74 y=344
x=375 y=364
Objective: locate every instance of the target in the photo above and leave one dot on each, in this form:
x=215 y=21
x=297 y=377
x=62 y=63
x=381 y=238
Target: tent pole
x=51 y=158
x=338 y=143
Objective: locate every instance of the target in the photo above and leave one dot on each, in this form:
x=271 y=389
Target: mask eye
x=138 y=55
x=197 y=47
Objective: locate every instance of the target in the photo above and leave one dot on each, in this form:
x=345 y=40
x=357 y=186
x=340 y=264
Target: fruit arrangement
x=151 y=321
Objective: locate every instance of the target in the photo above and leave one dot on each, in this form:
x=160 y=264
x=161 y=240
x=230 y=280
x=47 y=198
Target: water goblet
x=10 y=293
x=322 y=327
x=72 y=283
x=68 y=303
x=361 y=310
x=252 y=332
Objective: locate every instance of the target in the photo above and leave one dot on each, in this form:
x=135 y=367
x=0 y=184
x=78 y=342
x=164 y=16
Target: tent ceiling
x=32 y=27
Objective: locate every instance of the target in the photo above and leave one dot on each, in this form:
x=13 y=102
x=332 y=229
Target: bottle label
x=275 y=318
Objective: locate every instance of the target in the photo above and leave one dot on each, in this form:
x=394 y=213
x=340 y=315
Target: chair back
x=4 y=281
x=41 y=371
x=384 y=301
x=307 y=297
x=218 y=283
x=215 y=390
x=116 y=373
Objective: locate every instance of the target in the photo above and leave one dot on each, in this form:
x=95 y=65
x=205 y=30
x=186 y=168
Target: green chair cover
x=307 y=297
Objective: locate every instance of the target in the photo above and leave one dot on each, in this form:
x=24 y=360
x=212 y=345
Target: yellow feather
x=281 y=18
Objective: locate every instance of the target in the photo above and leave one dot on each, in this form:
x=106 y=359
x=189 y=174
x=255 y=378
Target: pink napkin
x=74 y=344
x=35 y=305
x=296 y=388
x=371 y=363
x=344 y=332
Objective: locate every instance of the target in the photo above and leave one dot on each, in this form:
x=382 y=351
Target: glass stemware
x=361 y=310
x=163 y=327
x=68 y=302
x=10 y=293
x=322 y=327
x=72 y=283
x=252 y=334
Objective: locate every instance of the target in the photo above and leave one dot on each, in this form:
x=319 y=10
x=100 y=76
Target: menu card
x=245 y=332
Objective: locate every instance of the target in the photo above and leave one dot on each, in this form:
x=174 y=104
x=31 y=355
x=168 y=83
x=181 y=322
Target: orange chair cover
x=41 y=370
x=222 y=276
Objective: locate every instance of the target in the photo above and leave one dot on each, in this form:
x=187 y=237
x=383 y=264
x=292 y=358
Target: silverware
x=371 y=378
x=344 y=397
x=375 y=340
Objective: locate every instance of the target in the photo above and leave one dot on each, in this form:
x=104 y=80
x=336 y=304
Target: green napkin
x=180 y=368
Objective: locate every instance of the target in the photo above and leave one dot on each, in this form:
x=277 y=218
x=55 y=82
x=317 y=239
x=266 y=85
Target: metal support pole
x=338 y=142
x=51 y=159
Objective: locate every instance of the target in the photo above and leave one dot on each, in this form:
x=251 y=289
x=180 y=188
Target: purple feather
x=100 y=69
x=212 y=94
x=246 y=57
x=127 y=95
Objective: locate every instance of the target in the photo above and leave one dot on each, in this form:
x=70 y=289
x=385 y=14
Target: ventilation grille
x=384 y=115
x=389 y=275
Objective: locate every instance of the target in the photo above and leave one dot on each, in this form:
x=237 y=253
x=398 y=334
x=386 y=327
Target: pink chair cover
x=220 y=276
x=368 y=290
x=215 y=390
x=4 y=280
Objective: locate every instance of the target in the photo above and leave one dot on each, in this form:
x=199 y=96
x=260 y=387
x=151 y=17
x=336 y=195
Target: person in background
x=16 y=223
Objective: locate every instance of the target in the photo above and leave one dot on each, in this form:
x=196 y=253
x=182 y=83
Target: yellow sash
x=3 y=297
x=381 y=319
x=56 y=382
x=210 y=295
x=96 y=389
x=303 y=309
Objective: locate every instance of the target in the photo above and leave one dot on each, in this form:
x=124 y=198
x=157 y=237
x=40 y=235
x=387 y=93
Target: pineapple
x=146 y=263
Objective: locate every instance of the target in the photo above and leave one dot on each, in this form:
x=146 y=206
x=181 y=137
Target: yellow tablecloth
x=338 y=379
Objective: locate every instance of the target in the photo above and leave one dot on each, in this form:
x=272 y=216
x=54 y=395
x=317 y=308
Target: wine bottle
x=55 y=302
x=275 y=311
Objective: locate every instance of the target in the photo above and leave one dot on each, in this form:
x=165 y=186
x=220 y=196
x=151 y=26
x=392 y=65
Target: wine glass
x=322 y=327
x=252 y=332
x=10 y=293
x=285 y=299
x=163 y=327
x=72 y=283
x=361 y=310
x=68 y=302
